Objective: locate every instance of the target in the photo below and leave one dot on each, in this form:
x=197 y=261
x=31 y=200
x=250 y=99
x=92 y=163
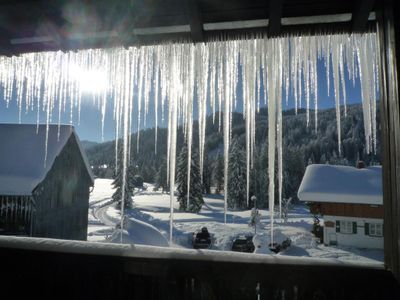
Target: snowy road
x=135 y=231
x=105 y=214
x=101 y=214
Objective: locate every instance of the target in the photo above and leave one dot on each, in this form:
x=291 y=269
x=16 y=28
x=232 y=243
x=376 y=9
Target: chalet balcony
x=83 y=270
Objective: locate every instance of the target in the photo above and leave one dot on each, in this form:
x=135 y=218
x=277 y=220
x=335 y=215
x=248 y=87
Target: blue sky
x=89 y=127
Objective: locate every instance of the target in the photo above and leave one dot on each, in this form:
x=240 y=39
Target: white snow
x=342 y=184
x=144 y=251
x=23 y=159
x=103 y=217
x=138 y=232
x=151 y=213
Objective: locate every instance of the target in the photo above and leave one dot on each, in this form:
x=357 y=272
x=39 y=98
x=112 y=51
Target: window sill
x=98 y=271
x=162 y=253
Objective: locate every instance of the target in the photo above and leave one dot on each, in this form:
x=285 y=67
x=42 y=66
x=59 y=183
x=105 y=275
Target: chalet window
x=346 y=227
x=374 y=229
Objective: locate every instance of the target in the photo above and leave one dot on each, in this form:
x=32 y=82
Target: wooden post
x=389 y=34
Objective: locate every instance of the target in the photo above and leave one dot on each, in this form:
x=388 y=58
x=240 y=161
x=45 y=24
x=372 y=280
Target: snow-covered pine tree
x=196 y=188
x=219 y=174
x=161 y=177
x=207 y=175
x=255 y=219
x=236 y=177
x=286 y=208
x=129 y=186
x=258 y=176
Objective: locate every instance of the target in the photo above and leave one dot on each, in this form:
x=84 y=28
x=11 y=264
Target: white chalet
x=350 y=200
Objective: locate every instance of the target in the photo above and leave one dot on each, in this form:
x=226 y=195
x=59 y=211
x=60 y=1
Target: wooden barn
x=45 y=180
x=350 y=200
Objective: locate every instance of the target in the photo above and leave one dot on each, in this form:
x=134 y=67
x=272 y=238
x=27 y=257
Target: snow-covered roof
x=342 y=184
x=22 y=155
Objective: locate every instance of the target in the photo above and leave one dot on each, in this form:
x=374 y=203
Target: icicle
x=228 y=65
x=189 y=118
x=367 y=75
x=272 y=66
x=173 y=114
x=142 y=64
x=336 y=81
x=156 y=92
x=314 y=77
x=26 y=209
x=48 y=84
x=213 y=65
x=249 y=77
x=126 y=131
x=280 y=132
x=6 y=207
x=202 y=80
x=13 y=210
x=342 y=80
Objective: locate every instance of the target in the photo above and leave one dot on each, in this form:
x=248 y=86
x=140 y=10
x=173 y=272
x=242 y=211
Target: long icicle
x=49 y=82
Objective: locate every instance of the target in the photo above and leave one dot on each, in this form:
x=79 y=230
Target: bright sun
x=90 y=80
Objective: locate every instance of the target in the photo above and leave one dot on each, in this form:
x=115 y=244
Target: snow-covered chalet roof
x=22 y=155
x=342 y=184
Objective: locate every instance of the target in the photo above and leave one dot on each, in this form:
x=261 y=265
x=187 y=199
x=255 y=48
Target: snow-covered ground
x=148 y=223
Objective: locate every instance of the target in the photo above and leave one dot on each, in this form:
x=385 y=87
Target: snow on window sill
x=153 y=252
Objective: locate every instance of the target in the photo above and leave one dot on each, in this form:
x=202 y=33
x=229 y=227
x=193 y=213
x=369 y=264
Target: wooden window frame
x=346 y=227
x=373 y=228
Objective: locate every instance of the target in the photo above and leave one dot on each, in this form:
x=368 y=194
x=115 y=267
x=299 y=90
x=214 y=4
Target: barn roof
x=23 y=151
x=342 y=184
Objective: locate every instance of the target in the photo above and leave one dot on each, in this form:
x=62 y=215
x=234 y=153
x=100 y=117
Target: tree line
x=302 y=146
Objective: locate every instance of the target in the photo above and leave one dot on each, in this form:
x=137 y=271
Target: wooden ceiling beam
x=274 y=16
x=195 y=20
x=360 y=14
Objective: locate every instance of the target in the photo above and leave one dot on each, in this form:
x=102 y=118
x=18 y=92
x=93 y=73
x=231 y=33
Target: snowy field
x=148 y=223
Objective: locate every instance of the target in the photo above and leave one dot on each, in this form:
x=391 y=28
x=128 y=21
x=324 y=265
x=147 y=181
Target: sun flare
x=90 y=80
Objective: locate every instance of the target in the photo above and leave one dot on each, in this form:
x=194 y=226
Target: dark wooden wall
x=348 y=210
x=62 y=199
x=46 y=274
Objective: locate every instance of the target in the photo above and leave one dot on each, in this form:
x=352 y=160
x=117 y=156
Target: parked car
x=201 y=239
x=276 y=247
x=243 y=243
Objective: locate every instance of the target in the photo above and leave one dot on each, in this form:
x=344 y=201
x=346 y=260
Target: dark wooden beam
x=360 y=14
x=274 y=15
x=195 y=20
x=388 y=17
x=6 y=48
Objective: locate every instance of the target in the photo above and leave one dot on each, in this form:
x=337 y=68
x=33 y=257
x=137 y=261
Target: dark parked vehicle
x=243 y=244
x=276 y=247
x=201 y=239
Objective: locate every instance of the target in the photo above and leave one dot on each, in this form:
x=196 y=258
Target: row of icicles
x=179 y=77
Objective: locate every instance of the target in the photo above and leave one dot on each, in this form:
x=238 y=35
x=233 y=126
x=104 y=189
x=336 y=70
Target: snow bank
x=342 y=184
x=141 y=251
x=138 y=232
